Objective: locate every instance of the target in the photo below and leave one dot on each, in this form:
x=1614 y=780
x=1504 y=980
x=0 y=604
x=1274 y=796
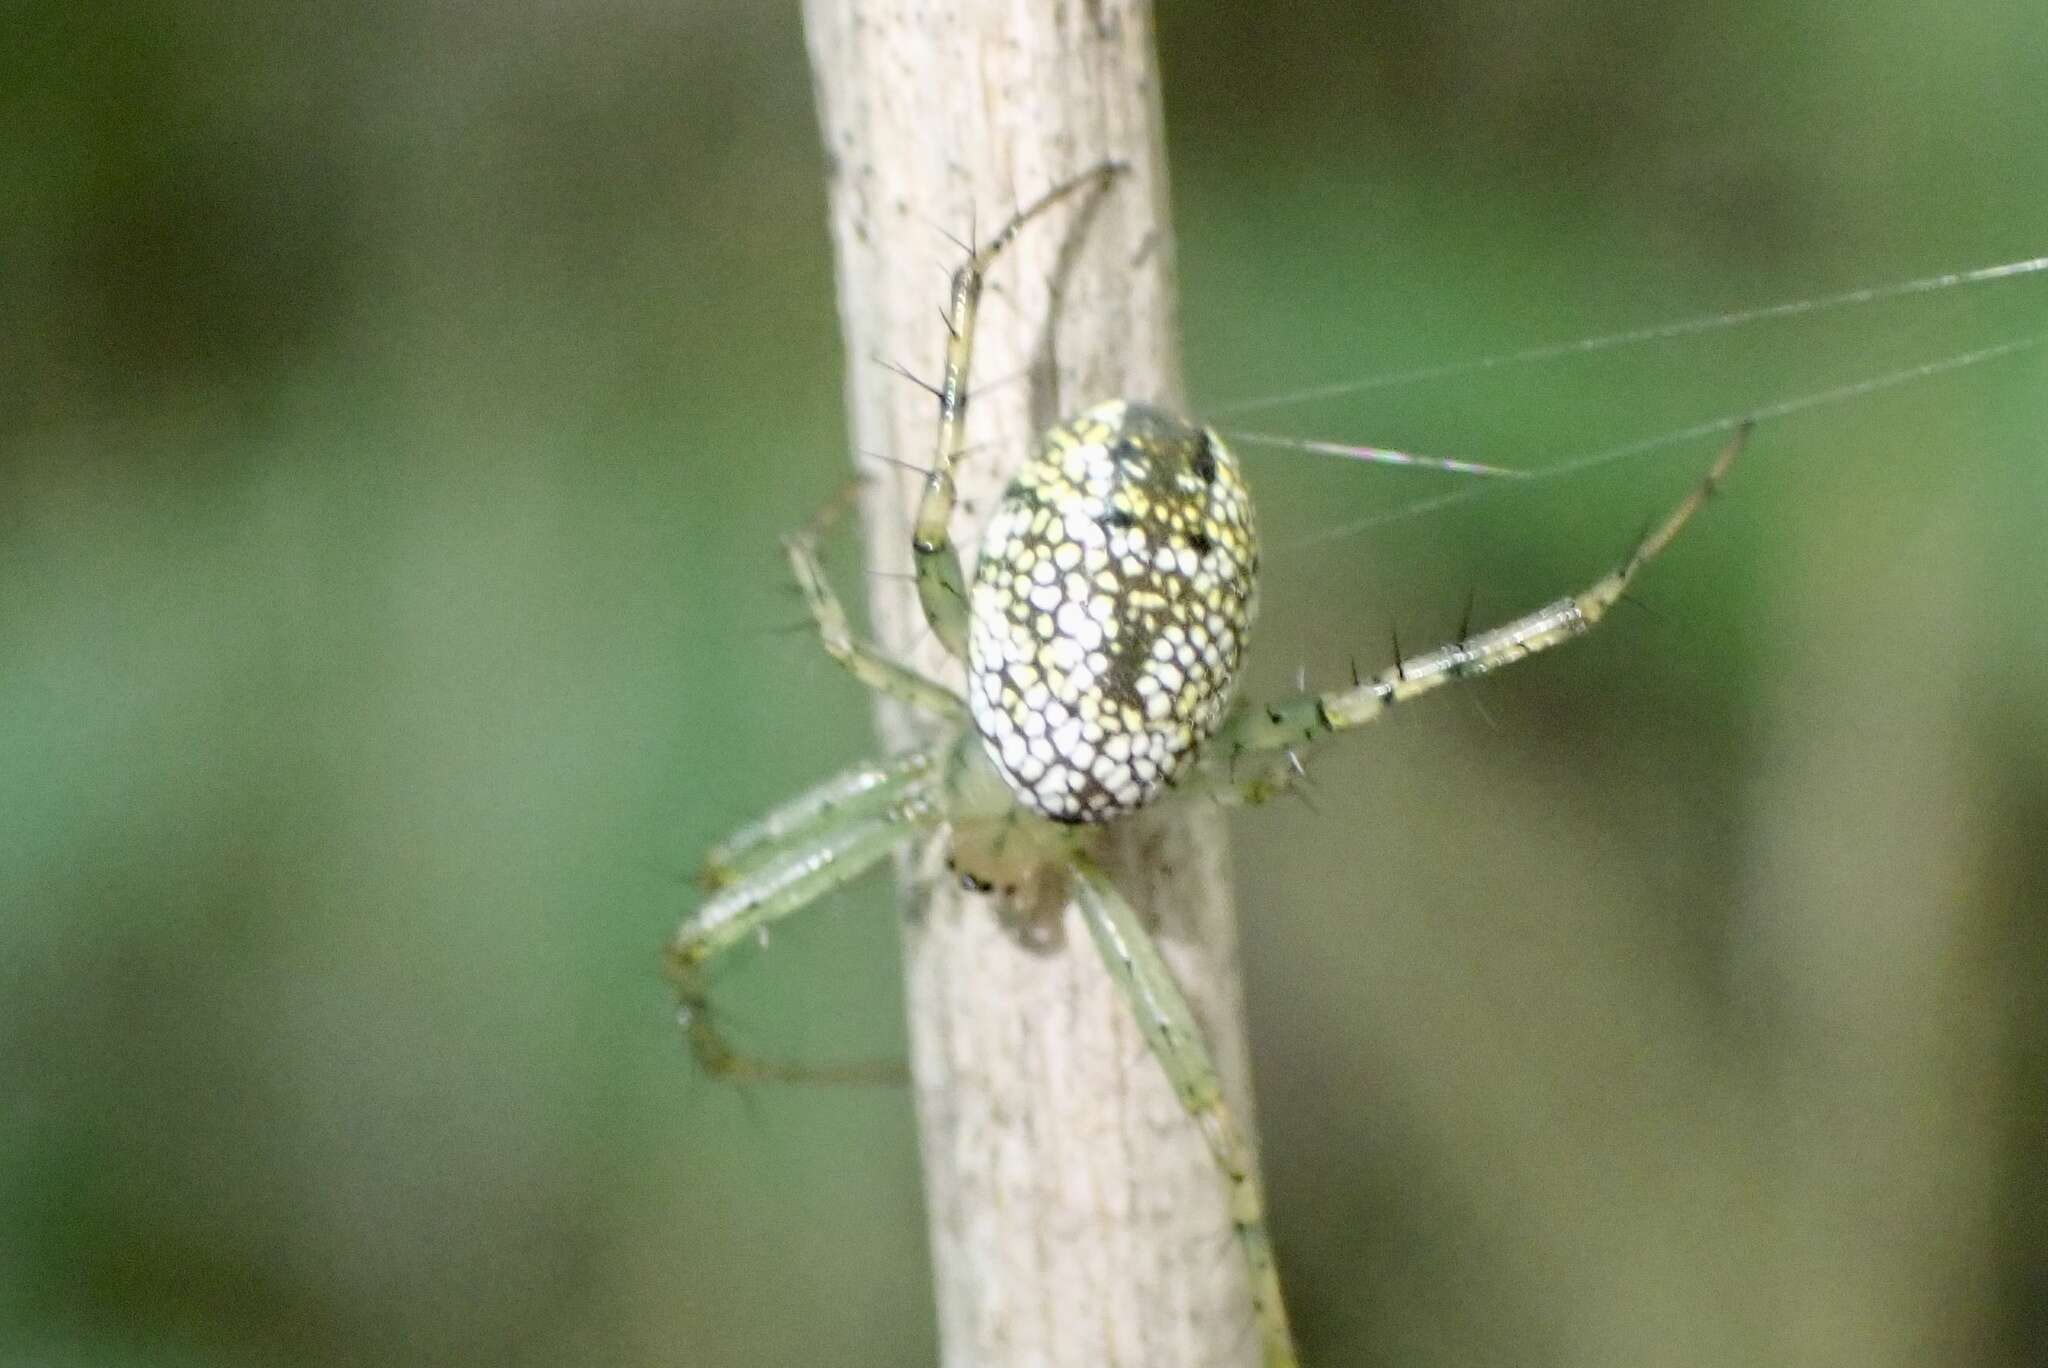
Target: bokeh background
x=399 y=403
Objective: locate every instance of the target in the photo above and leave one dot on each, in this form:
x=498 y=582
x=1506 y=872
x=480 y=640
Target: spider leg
x=862 y=660
x=788 y=860
x=941 y=585
x=1169 y=1028
x=865 y=791
x=1306 y=718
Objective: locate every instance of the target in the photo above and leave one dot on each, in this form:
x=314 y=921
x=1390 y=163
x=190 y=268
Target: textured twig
x=1076 y=1218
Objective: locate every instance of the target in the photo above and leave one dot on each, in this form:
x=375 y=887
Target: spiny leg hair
x=941 y=585
x=1283 y=728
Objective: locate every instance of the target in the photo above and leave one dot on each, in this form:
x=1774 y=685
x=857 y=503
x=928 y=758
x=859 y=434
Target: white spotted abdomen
x=1116 y=583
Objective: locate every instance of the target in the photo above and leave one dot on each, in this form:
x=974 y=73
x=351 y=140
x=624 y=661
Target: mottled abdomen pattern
x=1109 y=609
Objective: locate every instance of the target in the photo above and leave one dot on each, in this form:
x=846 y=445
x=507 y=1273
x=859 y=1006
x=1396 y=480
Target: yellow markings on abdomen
x=1109 y=609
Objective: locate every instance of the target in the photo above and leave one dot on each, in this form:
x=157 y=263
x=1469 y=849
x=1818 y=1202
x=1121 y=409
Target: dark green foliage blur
x=398 y=407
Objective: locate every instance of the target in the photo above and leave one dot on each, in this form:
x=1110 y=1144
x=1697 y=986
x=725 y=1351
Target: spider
x=1101 y=636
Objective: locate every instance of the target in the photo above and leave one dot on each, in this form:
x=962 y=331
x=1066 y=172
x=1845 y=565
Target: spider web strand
x=1726 y=423
x=1658 y=332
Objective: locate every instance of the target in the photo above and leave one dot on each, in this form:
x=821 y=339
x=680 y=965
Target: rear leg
x=941 y=585
x=1255 y=753
x=862 y=660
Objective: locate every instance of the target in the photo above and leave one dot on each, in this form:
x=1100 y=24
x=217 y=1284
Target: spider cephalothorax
x=1116 y=583
x=1101 y=639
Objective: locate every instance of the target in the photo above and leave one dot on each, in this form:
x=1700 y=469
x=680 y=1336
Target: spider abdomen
x=1117 y=581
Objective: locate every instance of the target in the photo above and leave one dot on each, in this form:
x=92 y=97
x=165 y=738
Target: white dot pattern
x=1117 y=580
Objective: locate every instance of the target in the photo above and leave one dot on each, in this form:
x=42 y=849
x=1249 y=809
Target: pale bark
x=1076 y=1217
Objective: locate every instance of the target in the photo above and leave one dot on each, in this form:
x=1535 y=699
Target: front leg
x=860 y=794
x=779 y=865
x=1169 y=1028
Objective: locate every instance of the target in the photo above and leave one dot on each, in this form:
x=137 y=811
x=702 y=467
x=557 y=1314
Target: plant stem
x=1075 y=1215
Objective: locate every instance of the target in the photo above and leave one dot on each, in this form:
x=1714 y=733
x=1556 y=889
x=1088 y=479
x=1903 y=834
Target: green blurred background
x=400 y=405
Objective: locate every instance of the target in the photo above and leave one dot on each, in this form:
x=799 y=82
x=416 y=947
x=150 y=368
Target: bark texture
x=1075 y=1215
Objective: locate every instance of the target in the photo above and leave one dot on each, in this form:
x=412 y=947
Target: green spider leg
x=853 y=795
x=861 y=659
x=796 y=854
x=1233 y=769
x=941 y=585
x=1169 y=1028
x=814 y=843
